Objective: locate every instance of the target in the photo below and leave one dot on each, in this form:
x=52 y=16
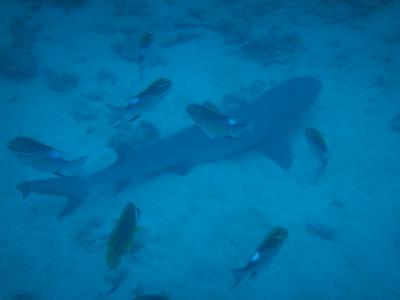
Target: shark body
x=273 y=115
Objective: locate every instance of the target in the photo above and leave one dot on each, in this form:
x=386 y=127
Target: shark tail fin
x=74 y=188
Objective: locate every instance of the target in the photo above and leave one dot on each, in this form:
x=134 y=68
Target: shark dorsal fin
x=279 y=150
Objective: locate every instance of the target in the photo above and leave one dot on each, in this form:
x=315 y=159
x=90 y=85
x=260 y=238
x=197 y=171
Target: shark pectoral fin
x=181 y=169
x=119 y=185
x=279 y=150
x=71 y=205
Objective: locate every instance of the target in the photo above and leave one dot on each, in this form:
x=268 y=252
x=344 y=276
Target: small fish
x=42 y=157
x=214 y=122
x=120 y=241
x=146 y=40
x=271 y=244
x=322 y=231
x=318 y=145
x=142 y=102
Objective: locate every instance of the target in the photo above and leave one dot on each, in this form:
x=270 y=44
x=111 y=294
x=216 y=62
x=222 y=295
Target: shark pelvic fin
x=181 y=169
x=120 y=185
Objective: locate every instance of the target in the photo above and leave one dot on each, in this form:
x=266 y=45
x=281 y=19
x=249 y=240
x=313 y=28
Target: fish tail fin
x=74 y=188
x=238 y=275
x=320 y=169
x=251 y=127
x=115 y=114
x=319 y=173
x=141 y=71
x=118 y=113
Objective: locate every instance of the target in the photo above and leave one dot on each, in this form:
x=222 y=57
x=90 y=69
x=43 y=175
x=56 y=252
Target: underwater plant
x=273 y=49
x=18 y=62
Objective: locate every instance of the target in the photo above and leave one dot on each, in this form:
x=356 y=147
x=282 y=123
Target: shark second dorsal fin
x=279 y=150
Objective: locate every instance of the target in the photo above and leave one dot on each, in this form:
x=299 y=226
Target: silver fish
x=271 y=244
x=214 y=122
x=142 y=102
x=45 y=158
x=319 y=147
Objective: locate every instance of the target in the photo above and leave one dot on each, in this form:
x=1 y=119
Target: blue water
x=62 y=61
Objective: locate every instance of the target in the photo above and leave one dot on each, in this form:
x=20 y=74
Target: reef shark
x=273 y=115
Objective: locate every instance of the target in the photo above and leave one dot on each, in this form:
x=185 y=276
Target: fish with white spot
x=121 y=239
x=268 y=248
x=142 y=102
x=216 y=123
x=42 y=157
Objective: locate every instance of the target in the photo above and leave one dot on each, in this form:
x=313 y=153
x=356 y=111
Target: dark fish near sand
x=271 y=244
x=142 y=102
x=120 y=241
x=146 y=40
x=323 y=231
x=318 y=145
x=42 y=157
x=214 y=122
